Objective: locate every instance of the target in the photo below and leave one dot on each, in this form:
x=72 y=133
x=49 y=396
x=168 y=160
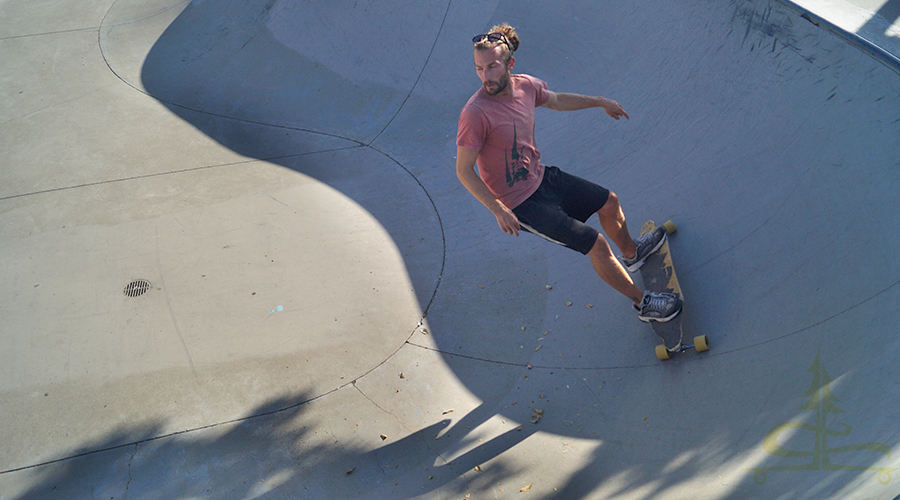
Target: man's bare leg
x=611 y=271
x=613 y=221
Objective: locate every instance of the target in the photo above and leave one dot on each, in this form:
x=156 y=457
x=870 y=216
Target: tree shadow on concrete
x=282 y=451
x=285 y=449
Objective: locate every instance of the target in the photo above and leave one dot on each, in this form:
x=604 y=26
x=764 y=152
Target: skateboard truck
x=701 y=344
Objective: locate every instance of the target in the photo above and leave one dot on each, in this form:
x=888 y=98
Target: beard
x=494 y=88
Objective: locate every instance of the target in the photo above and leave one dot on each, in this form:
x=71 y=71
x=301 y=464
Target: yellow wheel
x=701 y=343
x=662 y=353
x=670 y=227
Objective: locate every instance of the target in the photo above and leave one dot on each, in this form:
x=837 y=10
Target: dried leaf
x=351 y=471
x=567 y=303
x=538 y=348
x=477 y=469
x=523 y=490
x=447 y=411
x=548 y=287
x=383 y=437
x=589 y=306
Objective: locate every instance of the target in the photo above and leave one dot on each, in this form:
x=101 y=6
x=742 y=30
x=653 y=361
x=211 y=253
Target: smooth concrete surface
x=332 y=316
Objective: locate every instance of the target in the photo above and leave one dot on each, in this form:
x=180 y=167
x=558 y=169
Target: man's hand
x=614 y=109
x=506 y=219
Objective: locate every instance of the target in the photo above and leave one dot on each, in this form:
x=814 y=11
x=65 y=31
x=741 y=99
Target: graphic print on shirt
x=515 y=172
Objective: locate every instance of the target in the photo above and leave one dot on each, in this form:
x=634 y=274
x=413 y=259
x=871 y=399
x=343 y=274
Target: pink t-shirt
x=501 y=129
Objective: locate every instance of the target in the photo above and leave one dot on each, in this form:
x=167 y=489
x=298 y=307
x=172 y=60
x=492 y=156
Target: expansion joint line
x=419 y=77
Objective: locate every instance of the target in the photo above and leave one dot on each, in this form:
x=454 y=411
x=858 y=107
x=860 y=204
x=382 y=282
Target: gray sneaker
x=646 y=245
x=660 y=307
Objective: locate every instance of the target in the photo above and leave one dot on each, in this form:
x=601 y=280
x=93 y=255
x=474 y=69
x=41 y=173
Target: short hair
x=509 y=41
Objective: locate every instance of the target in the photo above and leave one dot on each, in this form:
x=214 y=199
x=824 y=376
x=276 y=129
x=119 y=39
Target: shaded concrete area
x=332 y=315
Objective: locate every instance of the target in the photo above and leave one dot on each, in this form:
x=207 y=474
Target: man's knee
x=601 y=247
x=611 y=207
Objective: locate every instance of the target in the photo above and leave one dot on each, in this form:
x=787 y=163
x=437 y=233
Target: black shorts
x=559 y=208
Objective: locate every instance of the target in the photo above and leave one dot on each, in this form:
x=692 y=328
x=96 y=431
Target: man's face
x=493 y=70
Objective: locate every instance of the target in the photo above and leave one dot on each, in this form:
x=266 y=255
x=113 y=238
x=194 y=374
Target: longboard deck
x=658 y=274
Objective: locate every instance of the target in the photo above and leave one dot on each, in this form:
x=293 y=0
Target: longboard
x=659 y=275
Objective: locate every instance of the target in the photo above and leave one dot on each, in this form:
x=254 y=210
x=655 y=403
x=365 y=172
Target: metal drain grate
x=137 y=288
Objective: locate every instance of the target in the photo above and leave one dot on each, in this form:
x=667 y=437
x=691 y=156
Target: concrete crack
x=130 y=478
x=376 y=404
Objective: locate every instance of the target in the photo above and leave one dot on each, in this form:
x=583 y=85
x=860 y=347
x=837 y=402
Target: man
x=496 y=132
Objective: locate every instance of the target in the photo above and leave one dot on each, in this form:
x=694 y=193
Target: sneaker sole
x=661 y=320
x=639 y=264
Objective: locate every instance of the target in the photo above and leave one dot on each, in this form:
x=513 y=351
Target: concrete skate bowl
x=771 y=143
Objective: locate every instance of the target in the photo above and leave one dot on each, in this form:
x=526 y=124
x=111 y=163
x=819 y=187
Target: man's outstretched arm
x=465 y=170
x=560 y=101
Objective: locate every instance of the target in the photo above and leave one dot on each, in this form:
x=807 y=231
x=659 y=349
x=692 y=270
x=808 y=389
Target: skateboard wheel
x=662 y=353
x=670 y=227
x=701 y=343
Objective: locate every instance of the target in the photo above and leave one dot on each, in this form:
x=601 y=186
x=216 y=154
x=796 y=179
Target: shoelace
x=643 y=242
x=657 y=303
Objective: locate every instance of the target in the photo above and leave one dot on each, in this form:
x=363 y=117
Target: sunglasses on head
x=493 y=37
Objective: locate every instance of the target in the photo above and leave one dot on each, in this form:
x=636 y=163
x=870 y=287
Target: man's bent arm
x=465 y=170
x=560 y=101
